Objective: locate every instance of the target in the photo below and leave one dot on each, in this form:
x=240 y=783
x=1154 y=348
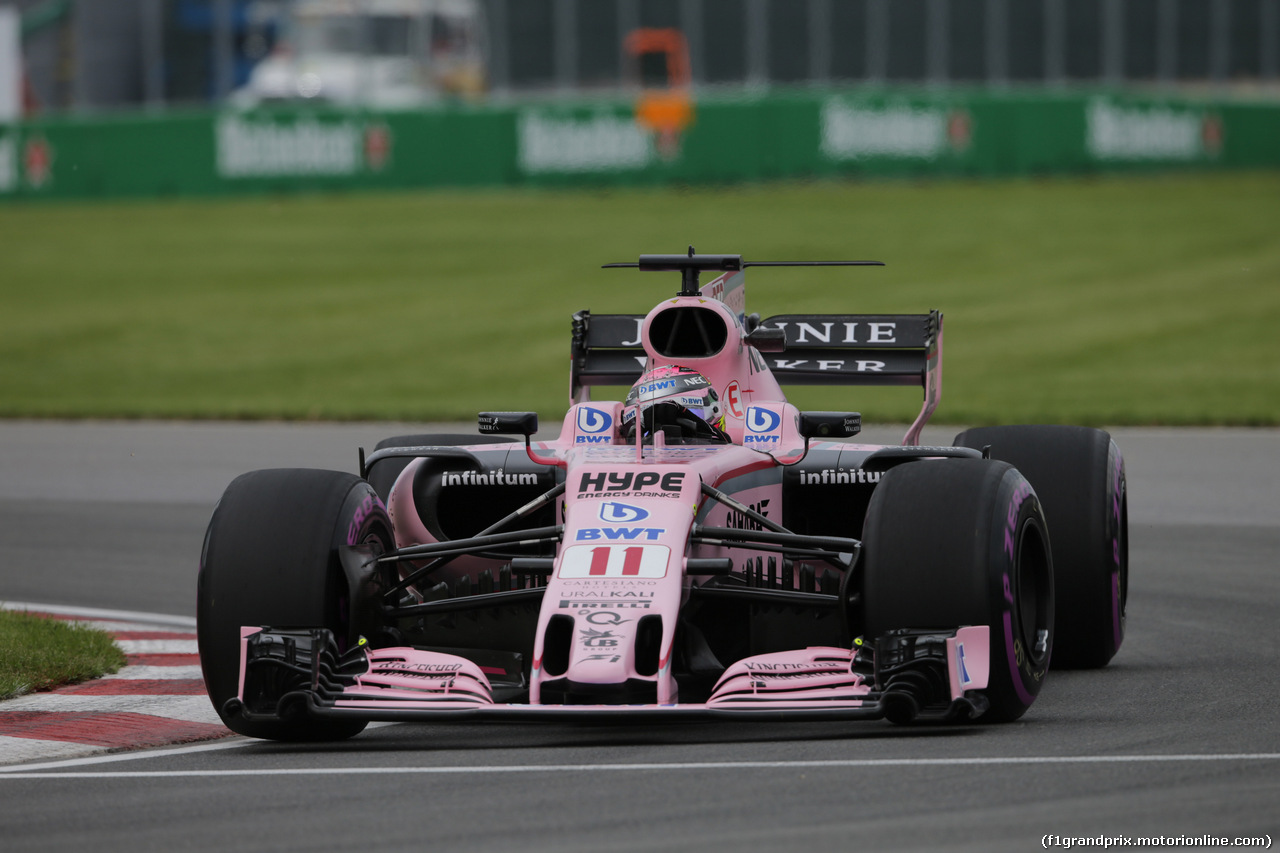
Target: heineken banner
x=714 y=140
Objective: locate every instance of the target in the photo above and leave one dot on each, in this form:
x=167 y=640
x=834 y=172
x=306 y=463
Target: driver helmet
x=675 y=396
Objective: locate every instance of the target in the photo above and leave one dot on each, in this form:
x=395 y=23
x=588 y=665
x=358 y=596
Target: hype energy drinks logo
x=555 y=142
x=850 y=131
x=265 y=147
x=1145 y=133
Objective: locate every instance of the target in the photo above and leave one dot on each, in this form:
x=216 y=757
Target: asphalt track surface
x=1179 y=737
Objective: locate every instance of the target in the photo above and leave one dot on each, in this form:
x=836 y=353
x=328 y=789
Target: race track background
x=1179 y=736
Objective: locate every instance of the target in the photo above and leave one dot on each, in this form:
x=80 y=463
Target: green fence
x=784 y=135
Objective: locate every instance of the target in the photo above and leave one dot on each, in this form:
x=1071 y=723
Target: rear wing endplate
x=821 y=349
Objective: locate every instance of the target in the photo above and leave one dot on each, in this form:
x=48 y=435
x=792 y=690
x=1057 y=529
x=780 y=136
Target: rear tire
x=953 y=543
x=383 y=473
x=270 y=558
x=1079 y=475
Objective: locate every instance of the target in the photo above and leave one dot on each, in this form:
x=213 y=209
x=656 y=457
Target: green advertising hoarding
x=784 y=135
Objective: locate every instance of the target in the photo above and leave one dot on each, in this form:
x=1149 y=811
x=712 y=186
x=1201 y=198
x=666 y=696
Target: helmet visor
x=686 y=390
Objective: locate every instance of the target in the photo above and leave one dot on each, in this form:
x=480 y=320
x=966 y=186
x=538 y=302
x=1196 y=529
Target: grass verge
x=38 y=653
x=1120 y=300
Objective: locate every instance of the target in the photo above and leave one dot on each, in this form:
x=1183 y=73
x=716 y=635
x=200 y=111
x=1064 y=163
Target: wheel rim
x=1122 y=564
x=378 y=536
x=1034 y=588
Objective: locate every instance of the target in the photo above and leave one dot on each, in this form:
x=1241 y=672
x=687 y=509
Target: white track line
x=24 y=772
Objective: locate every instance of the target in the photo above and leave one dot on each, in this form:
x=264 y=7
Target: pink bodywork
x=627 y=513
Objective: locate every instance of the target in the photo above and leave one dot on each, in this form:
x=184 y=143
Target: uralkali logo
x=259 y=147
x=1116 y=132
x=570 y=144
x=851 y=131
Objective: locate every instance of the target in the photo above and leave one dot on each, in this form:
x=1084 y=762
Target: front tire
x=270 y=557
x=952 y=543
x=1079 y=475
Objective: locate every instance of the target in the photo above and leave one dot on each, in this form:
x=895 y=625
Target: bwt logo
x=618 y=534
x=762 y=420
x=620 y=513
x=655 y=387
x=593 y=420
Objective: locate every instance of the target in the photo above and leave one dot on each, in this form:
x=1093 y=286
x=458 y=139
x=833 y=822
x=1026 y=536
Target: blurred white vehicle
x=379 y=53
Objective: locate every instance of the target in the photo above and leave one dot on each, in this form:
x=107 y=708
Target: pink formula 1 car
x=699 y=549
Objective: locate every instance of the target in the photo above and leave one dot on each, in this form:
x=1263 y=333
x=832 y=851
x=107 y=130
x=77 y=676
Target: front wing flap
x=922 y=677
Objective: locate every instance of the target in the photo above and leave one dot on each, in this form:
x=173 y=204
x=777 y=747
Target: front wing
x=910 y=676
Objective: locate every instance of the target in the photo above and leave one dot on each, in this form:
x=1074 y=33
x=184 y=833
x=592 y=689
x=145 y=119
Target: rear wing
x=821 y=349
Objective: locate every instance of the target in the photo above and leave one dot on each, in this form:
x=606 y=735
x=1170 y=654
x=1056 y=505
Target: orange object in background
x=666 y=109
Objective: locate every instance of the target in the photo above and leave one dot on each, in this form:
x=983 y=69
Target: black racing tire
x=1079 y=475
x=270 y=557
x=953 y=543
x=383 y=473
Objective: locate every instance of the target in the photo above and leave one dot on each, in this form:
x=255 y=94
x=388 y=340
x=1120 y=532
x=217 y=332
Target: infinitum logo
x=495 y=477
x=834 y=476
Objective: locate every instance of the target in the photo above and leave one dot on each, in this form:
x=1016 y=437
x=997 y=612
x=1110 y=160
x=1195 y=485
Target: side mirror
x=830 y=424
x=767 y=340
x=508 y=423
